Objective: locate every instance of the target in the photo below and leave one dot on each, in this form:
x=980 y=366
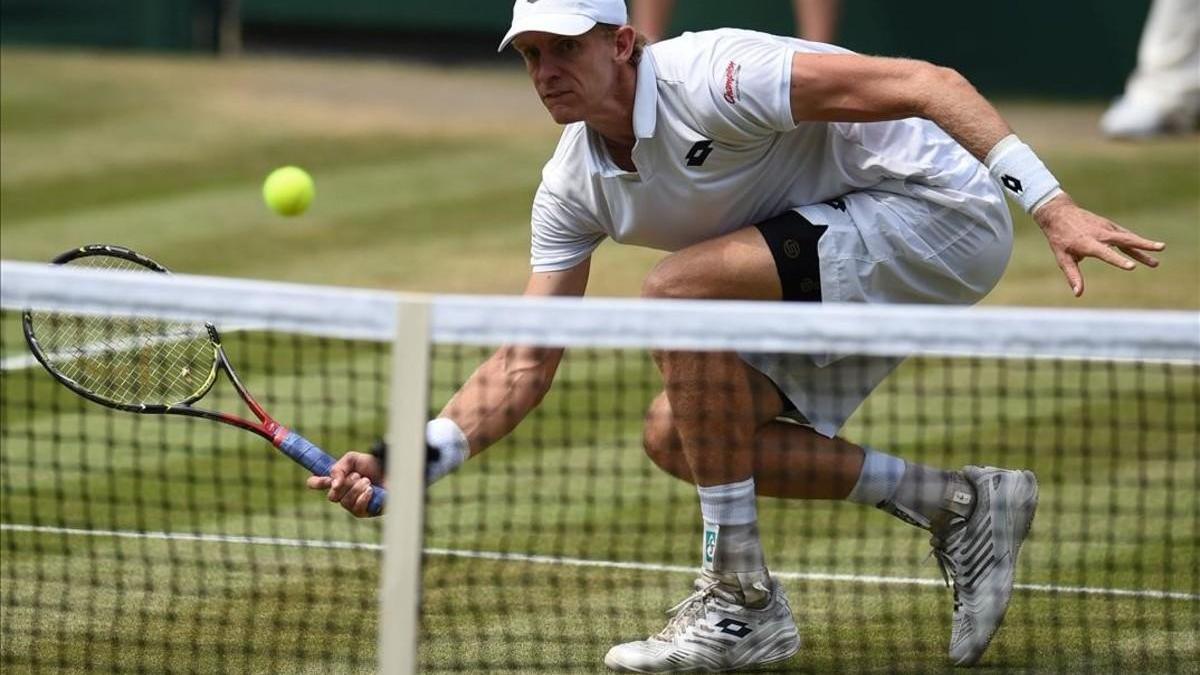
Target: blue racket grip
x=309 y=456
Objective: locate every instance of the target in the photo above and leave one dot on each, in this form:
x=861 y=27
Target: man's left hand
x=1075 y=233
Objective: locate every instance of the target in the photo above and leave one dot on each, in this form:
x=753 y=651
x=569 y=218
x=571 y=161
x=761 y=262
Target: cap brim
x=559 y=24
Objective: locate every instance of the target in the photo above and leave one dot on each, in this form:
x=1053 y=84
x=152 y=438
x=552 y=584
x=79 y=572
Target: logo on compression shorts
x=732 y=93
x=837 y=203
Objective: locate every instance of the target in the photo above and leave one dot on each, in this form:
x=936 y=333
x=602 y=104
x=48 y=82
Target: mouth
x=554 y=96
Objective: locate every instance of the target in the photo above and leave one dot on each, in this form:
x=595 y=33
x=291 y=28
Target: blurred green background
x=427 y=147
x=1075 y=48
x=425 y=174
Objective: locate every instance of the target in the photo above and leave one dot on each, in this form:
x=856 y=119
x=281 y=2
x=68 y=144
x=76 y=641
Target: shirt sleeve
x=562 y=236
x=749 y=81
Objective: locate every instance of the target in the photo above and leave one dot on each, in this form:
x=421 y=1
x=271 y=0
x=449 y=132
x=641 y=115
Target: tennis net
x=159 y=543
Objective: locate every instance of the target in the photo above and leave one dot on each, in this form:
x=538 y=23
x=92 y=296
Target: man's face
x=572 y=75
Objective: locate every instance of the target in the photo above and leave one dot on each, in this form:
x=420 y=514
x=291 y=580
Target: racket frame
x=295 y=446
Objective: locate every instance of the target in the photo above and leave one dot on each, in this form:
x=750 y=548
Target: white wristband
x=447 y=448
x=1024 y=177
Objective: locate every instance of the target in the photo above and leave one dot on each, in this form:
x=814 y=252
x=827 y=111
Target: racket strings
x=128 y=360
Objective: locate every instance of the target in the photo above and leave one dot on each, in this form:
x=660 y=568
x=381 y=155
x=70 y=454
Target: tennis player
x=773 y=169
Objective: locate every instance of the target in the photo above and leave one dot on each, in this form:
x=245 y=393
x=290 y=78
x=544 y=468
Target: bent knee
x=668 y=279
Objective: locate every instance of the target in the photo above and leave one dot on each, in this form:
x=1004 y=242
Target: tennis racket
x=153 y=366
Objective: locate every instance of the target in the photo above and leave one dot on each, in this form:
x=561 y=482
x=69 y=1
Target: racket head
x=129 y=363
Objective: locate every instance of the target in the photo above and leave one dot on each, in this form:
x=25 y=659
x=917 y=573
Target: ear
x=623 y=42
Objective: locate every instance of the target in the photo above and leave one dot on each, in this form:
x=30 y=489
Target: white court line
x=569 y=562
x=127 y=344
x=17 y=362
x=26 y=360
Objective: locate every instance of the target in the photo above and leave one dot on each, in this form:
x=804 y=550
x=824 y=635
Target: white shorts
x=883 y=247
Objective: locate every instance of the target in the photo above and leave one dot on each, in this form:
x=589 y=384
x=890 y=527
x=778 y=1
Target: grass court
x=135 y=544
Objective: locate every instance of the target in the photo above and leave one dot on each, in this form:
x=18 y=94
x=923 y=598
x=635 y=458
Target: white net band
x=874 y=330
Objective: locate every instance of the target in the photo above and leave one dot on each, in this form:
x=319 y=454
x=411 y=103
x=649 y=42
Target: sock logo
x=710 y=545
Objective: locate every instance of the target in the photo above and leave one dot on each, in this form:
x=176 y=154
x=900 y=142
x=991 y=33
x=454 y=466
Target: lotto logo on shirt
x=732 y=72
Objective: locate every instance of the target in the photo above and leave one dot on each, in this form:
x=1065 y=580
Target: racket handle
x=309 y=456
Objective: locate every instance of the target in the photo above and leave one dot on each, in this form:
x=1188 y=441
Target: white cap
x=563 y=17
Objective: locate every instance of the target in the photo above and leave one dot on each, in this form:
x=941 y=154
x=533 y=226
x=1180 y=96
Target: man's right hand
x=350 y=481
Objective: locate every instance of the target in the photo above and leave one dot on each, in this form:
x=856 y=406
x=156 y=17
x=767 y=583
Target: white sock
x=731 y=542
x=879 y=479
x=919 y=495
x=730 y=504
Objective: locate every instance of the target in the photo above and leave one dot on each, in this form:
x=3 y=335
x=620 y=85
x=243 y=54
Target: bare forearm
x=953 y=103
x=501 y=393
x=854 y=88
x=510 y=384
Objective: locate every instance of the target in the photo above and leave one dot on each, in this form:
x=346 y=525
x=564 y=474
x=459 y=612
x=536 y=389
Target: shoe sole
x=622 y=668
x=1031 y=505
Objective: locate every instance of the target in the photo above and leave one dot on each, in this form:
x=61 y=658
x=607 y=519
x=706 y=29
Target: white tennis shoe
x=1134 y=119
x=978 y=555
x=712 y=630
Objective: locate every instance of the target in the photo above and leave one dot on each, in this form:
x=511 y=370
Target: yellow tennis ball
x=289 y=190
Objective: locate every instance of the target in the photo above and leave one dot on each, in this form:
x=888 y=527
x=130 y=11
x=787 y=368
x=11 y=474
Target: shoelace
x=943 y=551
x=687 y=611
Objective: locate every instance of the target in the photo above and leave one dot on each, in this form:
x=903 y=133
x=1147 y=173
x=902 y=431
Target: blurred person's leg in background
x=816 y=20
x=1163 y=94
x=652 y=17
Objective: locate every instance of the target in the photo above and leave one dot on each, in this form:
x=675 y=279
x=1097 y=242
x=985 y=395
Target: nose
x=544 y=72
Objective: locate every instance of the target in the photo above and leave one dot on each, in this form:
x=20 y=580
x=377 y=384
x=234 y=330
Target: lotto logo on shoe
x=738 y=629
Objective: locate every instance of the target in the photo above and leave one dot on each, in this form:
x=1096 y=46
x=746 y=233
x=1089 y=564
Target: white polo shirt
x=717 y=150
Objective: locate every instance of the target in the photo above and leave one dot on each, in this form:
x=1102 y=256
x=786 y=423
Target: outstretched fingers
x=1125 y=239
x=1110 y=256
x=1075 y=234
x=1135 y=246
x=1140 y=256
x=1070 y=268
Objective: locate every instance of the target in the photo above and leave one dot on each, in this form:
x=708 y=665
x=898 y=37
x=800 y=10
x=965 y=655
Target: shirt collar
x=645 y=97
x=645 y=120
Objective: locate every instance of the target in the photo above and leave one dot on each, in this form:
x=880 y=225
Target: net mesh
x=135 y=543
x=147 y=543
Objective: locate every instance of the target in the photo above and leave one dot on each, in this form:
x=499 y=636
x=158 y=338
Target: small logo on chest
x=732 y=71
